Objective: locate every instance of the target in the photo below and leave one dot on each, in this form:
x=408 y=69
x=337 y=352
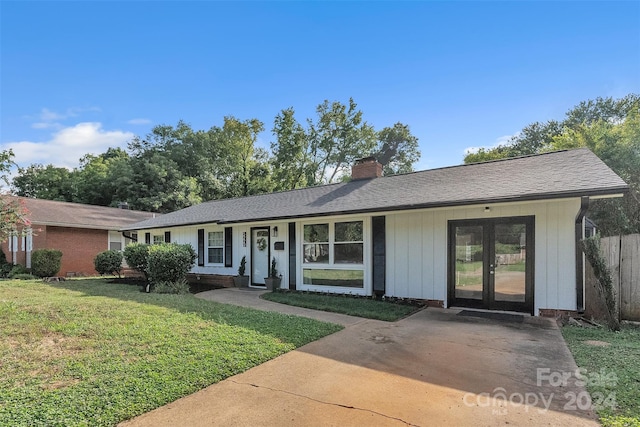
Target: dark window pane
x=215 y=256
x=316 y=233
x=316 y=252
x=349 y=231
x=326 y=277
x=348 y=253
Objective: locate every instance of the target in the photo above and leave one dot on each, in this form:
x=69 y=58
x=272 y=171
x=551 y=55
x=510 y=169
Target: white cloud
x=139 y=122
x=48 y=119
x=45 y=125
x=499 y=141
x=67 y=145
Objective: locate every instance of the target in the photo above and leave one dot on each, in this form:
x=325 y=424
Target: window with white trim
x=215 y=247
x=158 y=239
x=333 y=254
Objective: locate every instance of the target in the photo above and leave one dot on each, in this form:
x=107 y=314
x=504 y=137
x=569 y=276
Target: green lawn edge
x=344 y=304
x=610 y=361
x=89 y=352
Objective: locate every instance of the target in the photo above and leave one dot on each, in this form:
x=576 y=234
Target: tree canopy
x=12 y=213
x=608 y=127
x=173 y=167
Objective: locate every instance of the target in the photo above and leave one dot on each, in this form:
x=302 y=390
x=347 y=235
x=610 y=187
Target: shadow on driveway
x=436 y=367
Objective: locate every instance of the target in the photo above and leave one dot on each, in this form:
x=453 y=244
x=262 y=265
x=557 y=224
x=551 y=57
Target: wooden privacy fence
x=622 y=254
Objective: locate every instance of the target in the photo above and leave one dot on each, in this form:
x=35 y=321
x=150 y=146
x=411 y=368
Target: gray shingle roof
x=558 y=174
x=65 y=214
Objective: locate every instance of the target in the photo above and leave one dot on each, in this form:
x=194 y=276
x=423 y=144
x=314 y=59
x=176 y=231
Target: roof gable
x=66 y=214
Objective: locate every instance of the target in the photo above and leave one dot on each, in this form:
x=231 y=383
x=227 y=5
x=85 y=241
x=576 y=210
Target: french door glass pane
x=510 y=262
x=469 y=267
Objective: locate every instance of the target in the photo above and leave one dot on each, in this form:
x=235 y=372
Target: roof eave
x=466 y=202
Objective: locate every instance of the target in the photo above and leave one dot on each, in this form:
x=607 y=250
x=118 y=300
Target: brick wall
x=79 y=246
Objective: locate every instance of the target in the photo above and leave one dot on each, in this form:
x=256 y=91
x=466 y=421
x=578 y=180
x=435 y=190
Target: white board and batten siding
x=240 y=246
x=417 y=250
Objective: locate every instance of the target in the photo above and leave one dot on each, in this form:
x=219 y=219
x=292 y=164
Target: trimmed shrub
x=16 y=270
x=136 y=256
x=5 y=266
x=46 y=262
x=108 y=262
x=169 y=262
x=24 y=276
x=181 y=287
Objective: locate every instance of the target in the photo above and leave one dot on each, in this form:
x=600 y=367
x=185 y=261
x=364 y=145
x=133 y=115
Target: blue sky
x=78 y=77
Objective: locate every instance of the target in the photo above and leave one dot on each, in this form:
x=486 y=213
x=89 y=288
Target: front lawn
x=612 y=365
x=345 y=304
x=87 y=352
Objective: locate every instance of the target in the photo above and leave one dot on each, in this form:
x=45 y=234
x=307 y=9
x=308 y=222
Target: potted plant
x=241 y=281
x=273 y=281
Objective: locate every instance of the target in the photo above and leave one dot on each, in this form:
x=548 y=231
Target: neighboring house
x=495 y=235
x=79 y=231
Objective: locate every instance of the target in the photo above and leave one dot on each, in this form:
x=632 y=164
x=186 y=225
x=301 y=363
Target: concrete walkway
x=436 y=367
x=250 y=297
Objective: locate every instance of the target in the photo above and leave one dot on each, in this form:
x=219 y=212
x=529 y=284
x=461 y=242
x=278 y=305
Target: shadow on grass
x=286 y=328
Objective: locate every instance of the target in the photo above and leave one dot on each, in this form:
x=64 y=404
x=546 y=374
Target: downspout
x=579 y=230
x=124 y=234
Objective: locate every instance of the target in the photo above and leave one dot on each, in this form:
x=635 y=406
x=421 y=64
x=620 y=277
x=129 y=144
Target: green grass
x=345 y=304
x=87 y=352
x=620 y=364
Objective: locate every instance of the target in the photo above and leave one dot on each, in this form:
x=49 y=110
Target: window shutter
x=201 y=246
x=147 y=238
x=292 y=256
x=228 y=247
x=167 y=237
x=378 y=228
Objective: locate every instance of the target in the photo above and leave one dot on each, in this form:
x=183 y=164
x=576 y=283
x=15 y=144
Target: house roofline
x=533 y=197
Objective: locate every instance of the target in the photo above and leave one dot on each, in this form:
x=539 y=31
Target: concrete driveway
x=436 y=367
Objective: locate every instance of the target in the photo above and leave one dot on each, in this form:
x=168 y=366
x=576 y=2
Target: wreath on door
x=262 y=243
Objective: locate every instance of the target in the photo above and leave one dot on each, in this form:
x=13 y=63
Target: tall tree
x=154 y=183
x=13 y=214
x=337 y=139
x=45 y=182
x=97 y=177
x=290 y=159
x=537 y=137
x=610 y=128
x=618 y=145
x=397 y=149
x=244 y=167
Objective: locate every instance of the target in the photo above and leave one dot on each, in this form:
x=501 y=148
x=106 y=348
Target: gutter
x=616 y=192
x=127 y=235
x=579 y=232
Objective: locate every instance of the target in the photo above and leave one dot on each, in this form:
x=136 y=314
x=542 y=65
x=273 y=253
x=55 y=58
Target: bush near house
x=46 y=262
x=108 y=262
x=136 y=257
x=164 y=266
x=168 y=264
x=5 y=266
x=16 y=270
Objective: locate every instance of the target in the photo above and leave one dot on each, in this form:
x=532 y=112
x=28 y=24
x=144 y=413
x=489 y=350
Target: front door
x=259 y=255
x=491 y=263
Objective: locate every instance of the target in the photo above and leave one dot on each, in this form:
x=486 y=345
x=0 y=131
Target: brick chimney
x=366 y=168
